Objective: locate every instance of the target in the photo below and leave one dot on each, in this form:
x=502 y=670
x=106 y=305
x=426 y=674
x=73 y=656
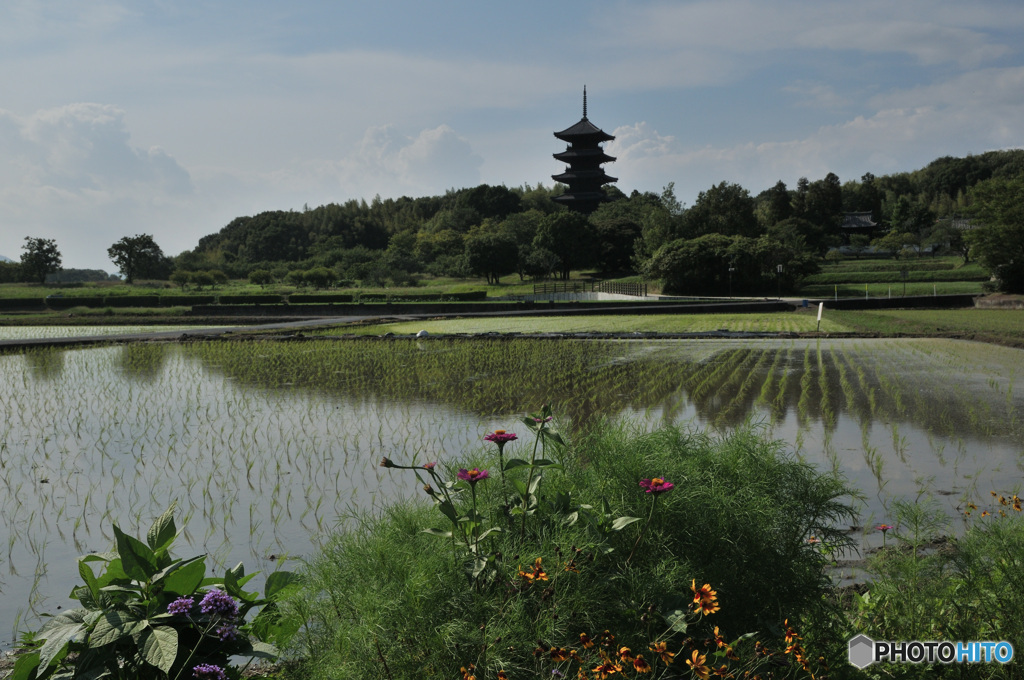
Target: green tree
x=180 y=277
x=998 y=242
x=138 y=257
x=569 y=236
x=723 y=209
x=491 y=254
x=40 y=258
x=261 y=277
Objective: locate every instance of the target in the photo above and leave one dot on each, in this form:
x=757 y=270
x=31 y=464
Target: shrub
x=148 y=615
x=523 y=552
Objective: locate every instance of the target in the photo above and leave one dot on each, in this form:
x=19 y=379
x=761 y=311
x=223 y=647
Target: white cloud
x=73 y=173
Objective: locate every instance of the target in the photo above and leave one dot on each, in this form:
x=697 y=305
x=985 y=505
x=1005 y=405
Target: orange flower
x=468 y=674
x=625 y=654
x=608 y=667
x=660 y=648
x=704 y=598
x=606 y=639
x=719 y=640
x=502 y=675
x=586 y=641
x=730 y=653
x=536 y=573
x=722 y=671
x=696 y=662
x=791 y=635
x=558 y=654
x=640 y=665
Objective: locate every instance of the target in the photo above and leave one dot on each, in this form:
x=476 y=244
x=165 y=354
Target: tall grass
x=385 y=600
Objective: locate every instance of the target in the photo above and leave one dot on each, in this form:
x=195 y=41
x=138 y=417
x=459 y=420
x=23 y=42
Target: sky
x=171 y=118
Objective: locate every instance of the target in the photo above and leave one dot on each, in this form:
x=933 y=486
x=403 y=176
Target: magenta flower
x=472 y=476
x=500 y=437
x=656 y=485
x=429 y=466
x=884 y=527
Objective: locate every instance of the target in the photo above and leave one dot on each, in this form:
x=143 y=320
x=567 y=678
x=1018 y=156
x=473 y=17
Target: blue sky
x=172 y=118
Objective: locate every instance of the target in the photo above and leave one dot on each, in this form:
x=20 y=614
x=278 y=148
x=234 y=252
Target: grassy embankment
x=884 y=278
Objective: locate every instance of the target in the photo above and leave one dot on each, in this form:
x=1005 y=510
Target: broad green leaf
x=513 y=463
x=85 y=571
x=137 y=560
x=25 y=667
x=448 y=510
x=160 y=646
x=622 y=522
x=234 y=579
x=113 y=626
x=113 y=573
x=437 y=532
x=677 y=620
x=547 y=464
x=519 y=486
x=58 y=632
x=280 y=583
x=535 y=483
x=186 y=578
x=477 y=566
x=163 y=531
x=492 y=530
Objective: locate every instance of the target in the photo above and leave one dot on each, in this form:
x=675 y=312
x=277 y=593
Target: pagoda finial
x=584 y=102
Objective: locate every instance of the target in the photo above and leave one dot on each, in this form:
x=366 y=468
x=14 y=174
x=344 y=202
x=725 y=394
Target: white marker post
x=821 y=306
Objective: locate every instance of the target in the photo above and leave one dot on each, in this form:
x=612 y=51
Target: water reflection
x=265 y=446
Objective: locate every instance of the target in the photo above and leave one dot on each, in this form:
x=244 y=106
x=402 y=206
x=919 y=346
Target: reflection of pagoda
x=584 y=155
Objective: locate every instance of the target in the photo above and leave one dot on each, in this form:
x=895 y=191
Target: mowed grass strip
x=1007 y=323
x=797 y=322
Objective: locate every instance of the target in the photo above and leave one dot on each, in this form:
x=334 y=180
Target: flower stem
x=643 y=531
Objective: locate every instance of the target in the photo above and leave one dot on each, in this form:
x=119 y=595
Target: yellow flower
x=468 y=674
x=696 y=662
x=558 y=654
x=536 y=573
x=660 y=648
x=586 y=641
x=608 y=667
x=625 y=653
x=502 y=675
x=640 y=665
x=719 y=640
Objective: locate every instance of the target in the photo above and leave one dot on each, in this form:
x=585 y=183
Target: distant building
x=857 y=223
x=584 y=177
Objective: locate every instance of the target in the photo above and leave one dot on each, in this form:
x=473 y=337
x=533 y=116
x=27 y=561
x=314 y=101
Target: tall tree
x=998 y=242
x=40 y=258
x=723 y=209
x=138 y=256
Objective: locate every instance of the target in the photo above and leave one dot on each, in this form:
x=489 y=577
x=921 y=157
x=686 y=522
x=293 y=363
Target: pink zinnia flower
x=884 y=527
x=429 y=466
x=472 y=476
x=500 y=437
x=656 y=485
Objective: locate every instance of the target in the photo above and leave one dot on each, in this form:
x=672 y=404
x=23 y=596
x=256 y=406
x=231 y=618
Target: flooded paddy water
x=265 y=447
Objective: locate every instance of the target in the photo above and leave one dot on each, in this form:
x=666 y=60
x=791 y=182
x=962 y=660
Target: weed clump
x=616 y=550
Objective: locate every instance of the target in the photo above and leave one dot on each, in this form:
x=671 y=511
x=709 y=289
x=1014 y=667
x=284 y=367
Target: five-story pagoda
x=584 y=177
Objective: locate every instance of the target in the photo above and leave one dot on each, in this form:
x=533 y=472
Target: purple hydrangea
x=228 y=632
x=219 y=602
x=208 y=671
x=181 y=606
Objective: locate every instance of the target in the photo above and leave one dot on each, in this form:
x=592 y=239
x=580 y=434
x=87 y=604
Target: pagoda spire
x=584 y=102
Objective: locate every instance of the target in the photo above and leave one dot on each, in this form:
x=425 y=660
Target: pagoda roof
x=571 y=154
x=571 y=174
x=858 y=220
x=584 y=130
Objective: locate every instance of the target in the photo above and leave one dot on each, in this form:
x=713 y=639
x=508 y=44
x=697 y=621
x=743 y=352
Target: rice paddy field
x=267 y=446
x=47 y=332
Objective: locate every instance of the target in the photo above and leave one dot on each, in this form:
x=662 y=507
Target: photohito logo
x=864 y=651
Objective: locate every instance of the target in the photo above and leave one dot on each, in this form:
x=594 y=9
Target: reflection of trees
x=587 y=379
x=46 y=363
x=142 y=361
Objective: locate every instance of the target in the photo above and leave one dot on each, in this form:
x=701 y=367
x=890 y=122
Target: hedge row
x=963 y=274
x=891 y=265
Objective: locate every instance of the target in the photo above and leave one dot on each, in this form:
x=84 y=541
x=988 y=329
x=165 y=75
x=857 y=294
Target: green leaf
x=535 y=482
x=548 y=464
x=437 y=532
x=280 y=583
x=186 y=578
x=163 y=531
x=677 y=620
x=519 y=486
x=622 y=522
x=160 y=646
x=85 y=571
x=492 y=530
x=448 y=510
x=58 y=632
x=114 y=573
x=513 y=463
x=234 y=579
x=25 y=667
x=113 y=626
x=137 y=560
